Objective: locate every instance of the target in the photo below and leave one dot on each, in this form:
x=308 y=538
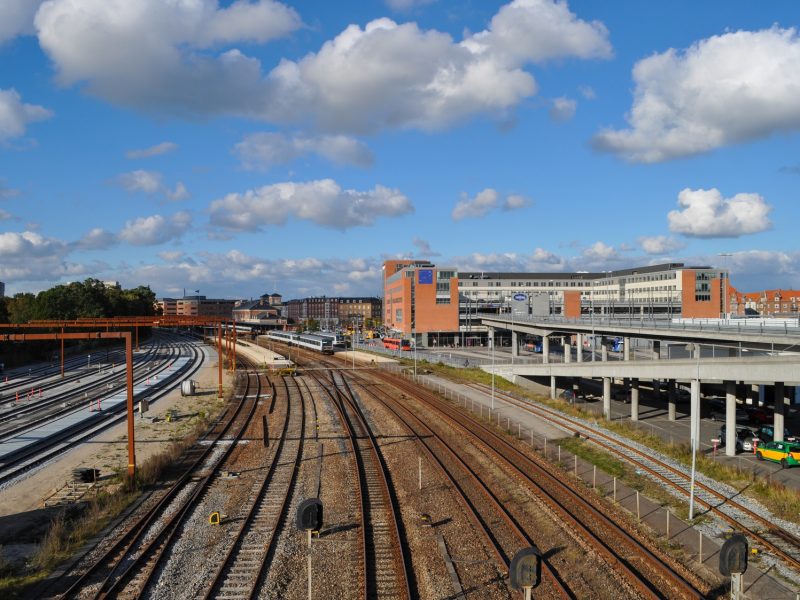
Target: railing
x=743 y=326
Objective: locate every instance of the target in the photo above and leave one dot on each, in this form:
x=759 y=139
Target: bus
x=396 y=344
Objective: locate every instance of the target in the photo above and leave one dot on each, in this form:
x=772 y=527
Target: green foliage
x=312 y=325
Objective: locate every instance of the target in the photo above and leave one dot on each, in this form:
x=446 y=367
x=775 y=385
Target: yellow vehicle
x=369 y=335
x=785 y=453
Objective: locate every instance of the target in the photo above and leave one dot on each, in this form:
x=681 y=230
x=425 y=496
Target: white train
x=304 y=340
x=336 y=338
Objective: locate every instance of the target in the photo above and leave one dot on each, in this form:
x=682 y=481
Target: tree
x=312 y=325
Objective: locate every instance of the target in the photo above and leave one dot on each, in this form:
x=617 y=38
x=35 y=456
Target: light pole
x=492 y=369
x=88 y=362
x=592 y=304
x=725 y=256
x=695 y=423
x=414 y=338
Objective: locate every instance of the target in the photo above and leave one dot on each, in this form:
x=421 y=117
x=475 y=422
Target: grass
x=784 y=502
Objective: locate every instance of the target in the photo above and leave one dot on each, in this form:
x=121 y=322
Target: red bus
x=396 y=344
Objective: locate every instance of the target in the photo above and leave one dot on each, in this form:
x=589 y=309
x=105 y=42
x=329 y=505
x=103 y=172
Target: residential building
x=332 y=312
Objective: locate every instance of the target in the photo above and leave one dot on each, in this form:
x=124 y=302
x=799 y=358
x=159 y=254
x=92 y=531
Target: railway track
x=385 y=560
x=649 y=574
x=16 y=463
x=246 y=562
x=125 y=567
x=467 y=484
x=761 y=530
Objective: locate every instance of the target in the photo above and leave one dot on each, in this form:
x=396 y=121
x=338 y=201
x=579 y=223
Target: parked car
x=742 y=433
x=785 y=453
x=766 y=433
x=569 y=396
x=759 y=416
x=622 y=395
x=718 y=412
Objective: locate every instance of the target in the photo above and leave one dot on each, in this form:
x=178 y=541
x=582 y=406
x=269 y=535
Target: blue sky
x=245 y=147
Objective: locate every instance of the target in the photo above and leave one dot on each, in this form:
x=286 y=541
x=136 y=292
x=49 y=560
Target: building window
x=442 y=300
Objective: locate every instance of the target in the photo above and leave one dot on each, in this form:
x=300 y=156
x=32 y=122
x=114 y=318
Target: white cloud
x=726 y=89
x=162 y=148
x=30 y=256
x=563 y=109
x=16 y=18
x=156 y=229
x=322 y=202
x=600 y=252
x=96 y=239
x=485 y=202
x=150 y=183
x=156 y=56
x=15 y=114
x=161 y=55
x=5 y=215
x=705 y=213
x=587 y=92
x=660 y=244
x=472 y=208
x=179 y=193
x=265 y=150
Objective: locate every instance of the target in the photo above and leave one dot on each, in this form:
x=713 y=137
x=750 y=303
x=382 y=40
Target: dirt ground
x=23 y=517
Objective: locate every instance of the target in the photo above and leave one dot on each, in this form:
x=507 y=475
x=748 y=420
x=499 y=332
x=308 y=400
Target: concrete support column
x=656 y=349
x=671 y=397
x=778 y=393
x=514 y=344
x=607 y=397
x=626 y=348
x=634 y=399
x=567 y=350
x=730 y=418
x=545 y=349
x=603 y=353
x=579 y=347
x=553 y=387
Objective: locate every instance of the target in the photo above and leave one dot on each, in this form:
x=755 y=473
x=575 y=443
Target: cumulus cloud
x=96 y=239
x=30 y=256
x=600 y=252
x=485 y=202
x=322 y=202
x=16 y=18
x=265 y=150
x=161 y=57
x=587 y=92
x=5 y=215
x=15 y=115
x=156 y=229
x=705 y=213
x=563 y=109
x=660 y=244
x=150 y=183
x=726 y=89
x=219 y=273
x=162 y=148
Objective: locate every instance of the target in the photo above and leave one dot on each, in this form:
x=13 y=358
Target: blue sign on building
x=425 y=276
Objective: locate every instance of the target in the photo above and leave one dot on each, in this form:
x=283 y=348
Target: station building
x=420 y=298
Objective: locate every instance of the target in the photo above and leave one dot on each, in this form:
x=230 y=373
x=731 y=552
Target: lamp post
x=493 y=369
x=414 y=339
x=725 y=256
x=695 y=423
x=88 y=362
